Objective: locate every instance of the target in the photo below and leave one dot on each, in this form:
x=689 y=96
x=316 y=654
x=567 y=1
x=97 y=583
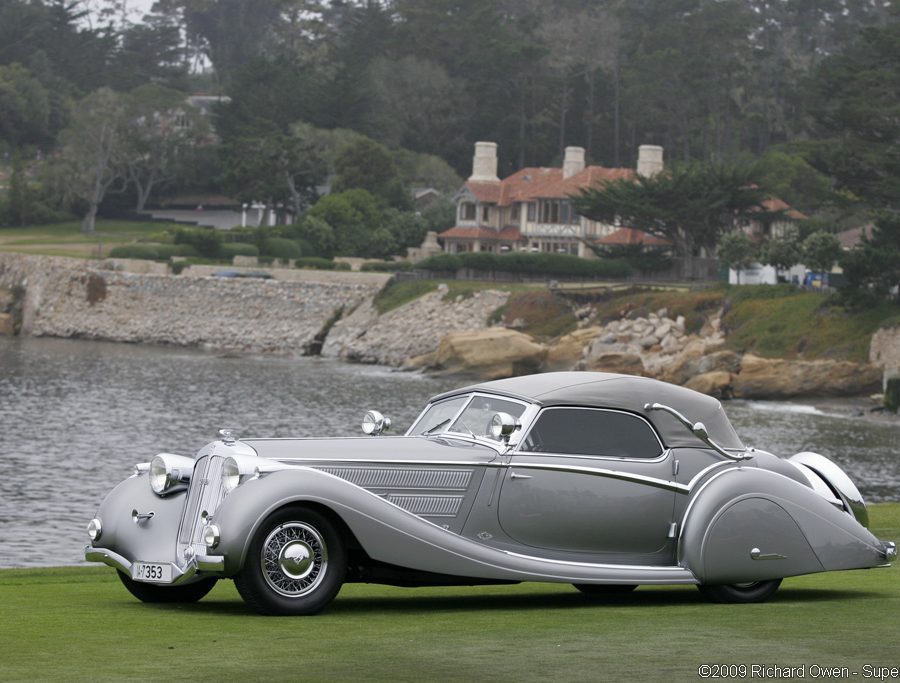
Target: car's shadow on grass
x=411 y=603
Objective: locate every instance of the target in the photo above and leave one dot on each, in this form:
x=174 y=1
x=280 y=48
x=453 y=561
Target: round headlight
x=169 y=473
x=374 y=423
x=502 y=425
x=94 y=529
x=231 y=474
x=211 y=535
x=237 y=470
x=159 y=474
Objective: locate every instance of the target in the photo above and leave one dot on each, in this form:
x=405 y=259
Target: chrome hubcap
x=294 y=559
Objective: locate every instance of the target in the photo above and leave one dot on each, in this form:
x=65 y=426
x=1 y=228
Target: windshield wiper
x=439 y=425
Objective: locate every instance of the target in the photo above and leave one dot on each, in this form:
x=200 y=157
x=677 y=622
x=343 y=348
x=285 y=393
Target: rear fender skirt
x=749 y=524
x=392 y=535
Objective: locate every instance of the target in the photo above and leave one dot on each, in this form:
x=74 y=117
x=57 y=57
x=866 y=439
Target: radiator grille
x=204 y=494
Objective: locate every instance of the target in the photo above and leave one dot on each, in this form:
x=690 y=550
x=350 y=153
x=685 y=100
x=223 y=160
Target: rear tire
x=152 y=592
x=740 y=593
x=296 y=564
x=605 y=589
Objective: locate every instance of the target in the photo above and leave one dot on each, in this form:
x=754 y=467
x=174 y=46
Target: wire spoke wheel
x=296 y=563
x=294 y=559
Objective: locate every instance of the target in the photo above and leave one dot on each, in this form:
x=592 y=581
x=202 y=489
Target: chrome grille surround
x=205 y=494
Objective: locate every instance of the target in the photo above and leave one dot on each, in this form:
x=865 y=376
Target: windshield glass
x=438 y=417
x=476 y=418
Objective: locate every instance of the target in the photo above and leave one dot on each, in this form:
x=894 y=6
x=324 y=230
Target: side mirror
x=503 y=425
x=374 y=423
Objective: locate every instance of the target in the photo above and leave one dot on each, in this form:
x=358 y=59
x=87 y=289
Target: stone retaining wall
x=73 y=298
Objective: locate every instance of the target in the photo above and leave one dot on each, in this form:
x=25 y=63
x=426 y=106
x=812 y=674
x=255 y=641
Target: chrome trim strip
x=611 y=474
x=702 y=473
x=599 y=565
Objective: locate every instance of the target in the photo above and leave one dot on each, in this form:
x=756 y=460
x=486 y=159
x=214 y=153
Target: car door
x=589 y=480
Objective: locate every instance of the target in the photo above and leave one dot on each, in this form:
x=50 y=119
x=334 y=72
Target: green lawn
x=66 y=239
x=77 y=624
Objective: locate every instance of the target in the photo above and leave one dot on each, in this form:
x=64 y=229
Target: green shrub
x=141 y=251
x=231 y=249
x=167 y=251
x=206 y=241
x=314 y=262
x=179 y=266
x=281 y=247
x=386 y=266
x=442 y=262
x=265 y=260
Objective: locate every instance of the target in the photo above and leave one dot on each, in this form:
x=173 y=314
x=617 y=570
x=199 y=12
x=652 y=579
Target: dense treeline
x=378 y=95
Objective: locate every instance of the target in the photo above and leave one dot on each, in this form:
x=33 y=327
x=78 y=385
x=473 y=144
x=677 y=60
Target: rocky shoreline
x=335 y=313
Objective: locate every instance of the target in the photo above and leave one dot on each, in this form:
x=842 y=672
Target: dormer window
x=467 y=211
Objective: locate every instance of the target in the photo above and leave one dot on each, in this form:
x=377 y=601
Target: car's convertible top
x=608 y=390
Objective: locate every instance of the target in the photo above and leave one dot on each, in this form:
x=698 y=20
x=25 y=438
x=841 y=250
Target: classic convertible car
x=603 y=481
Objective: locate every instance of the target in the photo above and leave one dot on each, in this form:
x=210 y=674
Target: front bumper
x=180 y=574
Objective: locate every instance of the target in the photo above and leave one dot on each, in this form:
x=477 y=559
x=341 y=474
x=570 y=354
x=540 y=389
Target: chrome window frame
x=664 y=452
x=527 y=413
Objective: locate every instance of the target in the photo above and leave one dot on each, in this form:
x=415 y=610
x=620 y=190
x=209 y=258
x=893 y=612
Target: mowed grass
x=66 y=239
x=78 y=624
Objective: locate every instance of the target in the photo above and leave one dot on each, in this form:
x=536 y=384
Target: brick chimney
x=573 y=162
x=484 y=163
x=650 y=160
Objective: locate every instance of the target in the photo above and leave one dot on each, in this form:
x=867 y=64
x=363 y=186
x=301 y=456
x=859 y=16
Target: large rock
x=568 y=350
x=491 y=353
x=775 y=378
x=696 y=360
x=7 y=325
x=884 y=349
x=716 y=384
x=625 y=363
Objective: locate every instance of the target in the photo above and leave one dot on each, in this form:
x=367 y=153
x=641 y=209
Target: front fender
x=751 y=524
x=150 y=539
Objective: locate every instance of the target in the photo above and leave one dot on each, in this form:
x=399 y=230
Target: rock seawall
x=72 y=298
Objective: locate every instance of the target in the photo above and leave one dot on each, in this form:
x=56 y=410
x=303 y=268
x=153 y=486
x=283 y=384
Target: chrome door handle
x=515 y=475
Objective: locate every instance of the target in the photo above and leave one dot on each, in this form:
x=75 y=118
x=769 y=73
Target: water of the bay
x=76 y=415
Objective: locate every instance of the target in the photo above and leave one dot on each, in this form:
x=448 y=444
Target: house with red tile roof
x=530 y=210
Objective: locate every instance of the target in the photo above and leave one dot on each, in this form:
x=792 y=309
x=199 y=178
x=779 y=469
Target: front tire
x=159 y=593
x=740 y=593
x=296 y=564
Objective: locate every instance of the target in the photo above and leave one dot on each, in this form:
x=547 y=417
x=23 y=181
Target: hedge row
x=560 y=265
x=319 y=263
x=386 y=266
x=232 y=249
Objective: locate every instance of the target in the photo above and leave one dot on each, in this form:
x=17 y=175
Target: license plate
x=151 y=572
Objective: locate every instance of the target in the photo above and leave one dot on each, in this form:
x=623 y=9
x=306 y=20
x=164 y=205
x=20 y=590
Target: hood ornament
x=228 y=436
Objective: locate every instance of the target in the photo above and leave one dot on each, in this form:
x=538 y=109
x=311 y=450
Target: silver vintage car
x=603 y=481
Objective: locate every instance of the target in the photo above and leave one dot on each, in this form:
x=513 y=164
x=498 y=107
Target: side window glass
x=584 y=431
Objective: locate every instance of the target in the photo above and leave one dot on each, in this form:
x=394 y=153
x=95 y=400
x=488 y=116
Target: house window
x=467 y=211
x=532 y=211
x=514 y=213
x=550 y=211
x=485 y=213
